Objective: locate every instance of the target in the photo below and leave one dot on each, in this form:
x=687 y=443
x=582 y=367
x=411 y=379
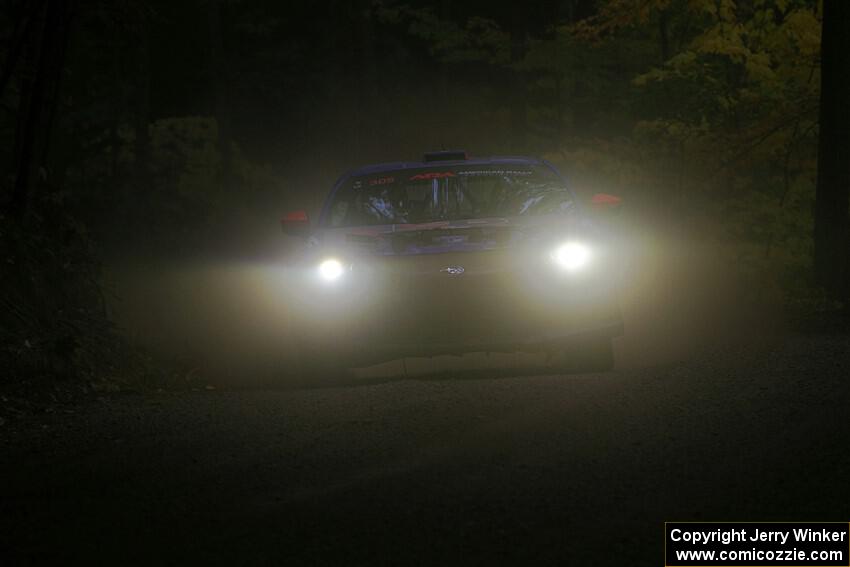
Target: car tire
x=586 y=355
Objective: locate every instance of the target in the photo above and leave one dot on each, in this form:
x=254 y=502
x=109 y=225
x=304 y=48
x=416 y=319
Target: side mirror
x=296 y=223
x=603 y=202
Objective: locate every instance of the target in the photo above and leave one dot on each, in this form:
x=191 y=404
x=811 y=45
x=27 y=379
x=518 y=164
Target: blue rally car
x=452 y=255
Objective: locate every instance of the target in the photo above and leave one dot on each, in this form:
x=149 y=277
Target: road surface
x=457 y=469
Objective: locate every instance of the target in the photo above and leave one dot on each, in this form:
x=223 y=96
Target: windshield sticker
x=496 y=172
x=381 y=181
x=433 y=175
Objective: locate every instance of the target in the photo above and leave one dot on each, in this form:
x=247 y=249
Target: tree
x=38 y=103
x=221 y=87
x=833 y=181
x=518 y=32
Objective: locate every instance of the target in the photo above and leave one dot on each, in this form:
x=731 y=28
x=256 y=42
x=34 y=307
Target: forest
x=157 y=129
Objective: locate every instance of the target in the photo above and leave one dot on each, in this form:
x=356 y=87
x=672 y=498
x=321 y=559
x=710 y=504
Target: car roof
x=492 y=160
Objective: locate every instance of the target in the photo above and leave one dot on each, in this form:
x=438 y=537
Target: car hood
x=468 y=235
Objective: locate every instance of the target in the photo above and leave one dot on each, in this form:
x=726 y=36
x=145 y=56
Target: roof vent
x=446 y=155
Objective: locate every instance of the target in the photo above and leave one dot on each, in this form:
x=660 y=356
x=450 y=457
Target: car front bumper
x=391 y=316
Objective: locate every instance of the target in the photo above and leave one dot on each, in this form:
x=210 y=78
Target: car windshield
x=448 y=193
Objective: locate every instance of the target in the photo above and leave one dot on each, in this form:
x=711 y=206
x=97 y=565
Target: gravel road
x=460 y=469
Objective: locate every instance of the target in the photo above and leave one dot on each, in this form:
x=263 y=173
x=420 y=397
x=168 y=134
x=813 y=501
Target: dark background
x=179 y=131
x=185 y=129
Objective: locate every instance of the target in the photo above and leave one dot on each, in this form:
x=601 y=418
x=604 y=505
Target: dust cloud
x=229 y=322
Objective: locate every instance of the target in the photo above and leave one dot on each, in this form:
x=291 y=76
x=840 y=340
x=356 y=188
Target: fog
x=229 y=320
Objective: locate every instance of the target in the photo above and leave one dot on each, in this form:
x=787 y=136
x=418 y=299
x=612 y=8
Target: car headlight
x=571 y=256
x=331 y=269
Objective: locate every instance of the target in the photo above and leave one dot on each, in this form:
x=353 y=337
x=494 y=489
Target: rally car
x=451 y=255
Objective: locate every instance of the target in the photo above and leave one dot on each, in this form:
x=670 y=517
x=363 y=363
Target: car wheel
x=587 y=354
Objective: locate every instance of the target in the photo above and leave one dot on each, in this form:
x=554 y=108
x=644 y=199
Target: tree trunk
x=443 y=117
x=833 y=182
x=519 y=90
x=36 y=106
x=27 y=21
x=141 y=112
x=366 y=142
x=560 y=127
x=29 y=69
x=221 y=85
x=664 y=34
